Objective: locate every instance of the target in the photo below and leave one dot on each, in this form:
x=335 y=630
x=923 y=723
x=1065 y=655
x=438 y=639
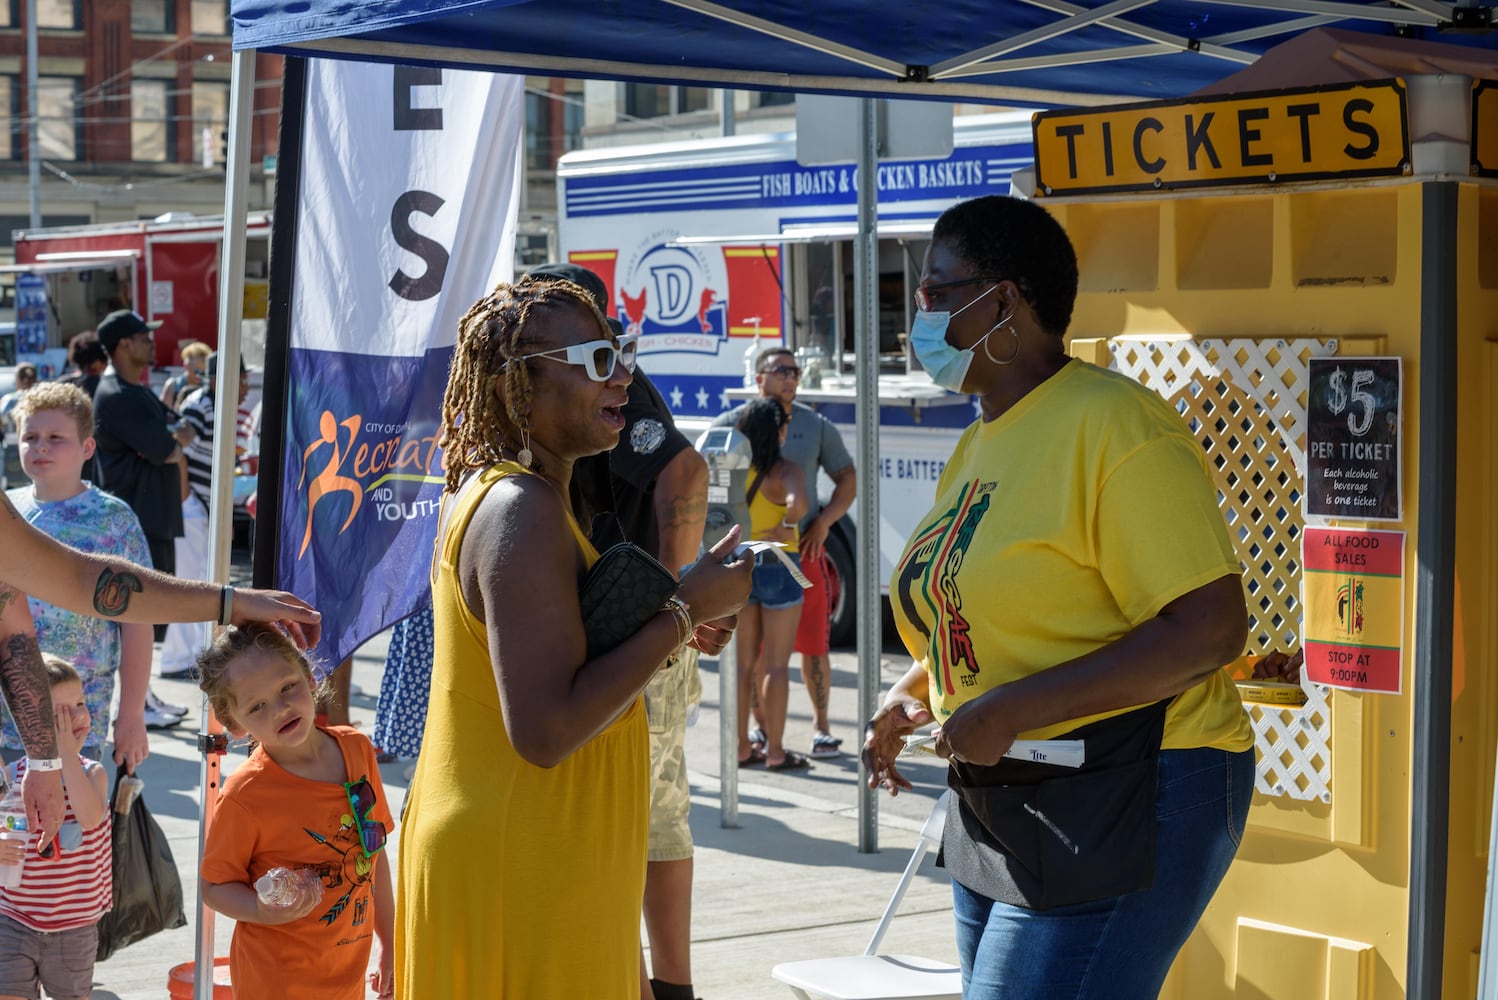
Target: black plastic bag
x=147 y=889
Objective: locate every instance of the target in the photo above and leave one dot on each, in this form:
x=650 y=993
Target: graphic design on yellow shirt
x=938 y=554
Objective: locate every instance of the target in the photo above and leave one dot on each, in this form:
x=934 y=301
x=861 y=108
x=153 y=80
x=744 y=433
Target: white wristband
x=54 y=764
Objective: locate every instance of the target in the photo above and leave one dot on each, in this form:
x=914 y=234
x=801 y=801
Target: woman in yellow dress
x=522 y=854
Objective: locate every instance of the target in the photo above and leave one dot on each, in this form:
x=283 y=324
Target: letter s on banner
x=387 y=263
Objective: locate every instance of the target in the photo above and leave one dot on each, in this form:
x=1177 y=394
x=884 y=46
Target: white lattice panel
x=1245 y=400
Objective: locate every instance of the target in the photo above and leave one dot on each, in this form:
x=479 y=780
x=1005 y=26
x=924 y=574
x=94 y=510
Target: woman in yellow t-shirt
x=1074 y=581
x=532 y=791
x=767 y=625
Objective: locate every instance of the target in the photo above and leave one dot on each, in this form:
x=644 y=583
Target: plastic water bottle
x=12 y=827
x=281 y=887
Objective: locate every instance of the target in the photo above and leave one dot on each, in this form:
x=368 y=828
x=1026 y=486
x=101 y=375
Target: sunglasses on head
x=597 y=357
x=361 y=799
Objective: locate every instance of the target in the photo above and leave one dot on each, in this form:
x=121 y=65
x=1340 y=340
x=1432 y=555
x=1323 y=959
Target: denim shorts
x=1121 y=947
x=774 y=588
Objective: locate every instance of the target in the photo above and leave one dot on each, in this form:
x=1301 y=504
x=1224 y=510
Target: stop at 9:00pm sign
x=1354 y=608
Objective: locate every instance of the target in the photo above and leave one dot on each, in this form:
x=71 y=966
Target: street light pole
x=33 y=153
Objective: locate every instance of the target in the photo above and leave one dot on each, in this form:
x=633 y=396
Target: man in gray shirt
x=813 y=443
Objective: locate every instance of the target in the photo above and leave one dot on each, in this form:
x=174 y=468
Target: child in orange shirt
x=309 y=799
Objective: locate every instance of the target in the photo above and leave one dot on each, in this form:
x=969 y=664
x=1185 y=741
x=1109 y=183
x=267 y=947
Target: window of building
x=209 y=17
x=773 y=98
x=210 y=117
x=151 y=16
x=553 y=126
x=59 y=14
x=10 y=139
x=654 y=100
x=150 y=133
x=57 y=127
x=8 y=14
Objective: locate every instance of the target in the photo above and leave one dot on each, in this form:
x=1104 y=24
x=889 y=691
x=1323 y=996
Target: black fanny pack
x=1041 y=835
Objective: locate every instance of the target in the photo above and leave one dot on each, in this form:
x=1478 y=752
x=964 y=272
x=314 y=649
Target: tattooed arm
x=680 y=518
x=28 y=694
x=113 y=588
x=681 y=508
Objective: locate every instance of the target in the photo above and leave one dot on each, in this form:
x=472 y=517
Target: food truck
x=715 y=249
x=68 y=278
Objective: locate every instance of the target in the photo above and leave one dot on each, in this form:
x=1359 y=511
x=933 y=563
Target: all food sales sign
x=1352 y=439
x=1350 y=130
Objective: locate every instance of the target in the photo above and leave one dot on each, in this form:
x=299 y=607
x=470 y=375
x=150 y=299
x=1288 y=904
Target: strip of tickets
x=1349 y=130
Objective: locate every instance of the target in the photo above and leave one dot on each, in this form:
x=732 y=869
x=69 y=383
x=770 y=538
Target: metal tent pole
x=866 y=413
x=226 y=424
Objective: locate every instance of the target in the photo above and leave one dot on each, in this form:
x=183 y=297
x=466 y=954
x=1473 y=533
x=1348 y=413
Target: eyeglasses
x=923 y=299
x=597 y=357
x=784 y=371
x=361 y=799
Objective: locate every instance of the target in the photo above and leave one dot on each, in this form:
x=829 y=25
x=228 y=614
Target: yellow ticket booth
x=1234 y=250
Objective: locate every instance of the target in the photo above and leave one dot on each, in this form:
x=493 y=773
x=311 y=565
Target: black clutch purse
x=623 y=590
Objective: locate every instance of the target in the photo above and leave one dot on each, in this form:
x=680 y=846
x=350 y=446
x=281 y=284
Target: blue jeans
x=772 y=586
x=1118 y=948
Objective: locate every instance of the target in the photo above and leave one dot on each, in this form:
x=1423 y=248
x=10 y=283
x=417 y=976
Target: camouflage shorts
x=667 y=698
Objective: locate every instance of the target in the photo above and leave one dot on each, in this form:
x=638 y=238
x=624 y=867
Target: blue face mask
x=946 y=365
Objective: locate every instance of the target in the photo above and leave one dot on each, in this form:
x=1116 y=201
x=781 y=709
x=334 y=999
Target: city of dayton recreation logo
x=352 y=453
x=1350 y=606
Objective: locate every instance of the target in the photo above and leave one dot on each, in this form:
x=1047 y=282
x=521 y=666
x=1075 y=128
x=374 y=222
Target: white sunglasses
x=597 y=357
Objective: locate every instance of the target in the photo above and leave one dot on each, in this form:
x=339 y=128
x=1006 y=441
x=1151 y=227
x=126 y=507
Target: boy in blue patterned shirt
x=56 y=423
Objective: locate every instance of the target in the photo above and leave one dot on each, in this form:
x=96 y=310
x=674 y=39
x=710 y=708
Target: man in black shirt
x=139 y=441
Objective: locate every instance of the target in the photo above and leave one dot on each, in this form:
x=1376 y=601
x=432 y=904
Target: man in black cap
x=655 y=483
x=139 y=441
x=184 y=640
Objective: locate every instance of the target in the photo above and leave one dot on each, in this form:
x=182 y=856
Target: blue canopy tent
x=1013 y=52
x=1028 y=52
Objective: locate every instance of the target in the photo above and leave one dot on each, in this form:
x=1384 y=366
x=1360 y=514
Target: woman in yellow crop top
x=1073 y=580
x=532 y=791
x=767 y=624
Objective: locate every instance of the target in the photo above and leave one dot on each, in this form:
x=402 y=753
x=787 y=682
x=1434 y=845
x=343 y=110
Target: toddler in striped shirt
x=49 y=922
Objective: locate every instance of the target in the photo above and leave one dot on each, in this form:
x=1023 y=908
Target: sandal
x=757 y=739
x=793 y=762
x=756 y=757
x=825 y=745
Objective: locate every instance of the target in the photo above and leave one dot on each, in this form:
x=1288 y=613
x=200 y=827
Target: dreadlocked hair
x=478 y=420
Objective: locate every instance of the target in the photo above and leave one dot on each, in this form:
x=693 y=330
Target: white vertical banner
x=409 y=191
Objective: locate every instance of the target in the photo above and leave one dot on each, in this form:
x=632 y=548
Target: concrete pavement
x=787 y=884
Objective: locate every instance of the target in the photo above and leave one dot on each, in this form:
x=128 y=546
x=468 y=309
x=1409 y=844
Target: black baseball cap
x=590 y=283
x=213 y=365
x=122 y=324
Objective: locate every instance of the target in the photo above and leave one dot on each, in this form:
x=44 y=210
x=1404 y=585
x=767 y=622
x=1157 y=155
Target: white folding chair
x=881 y=977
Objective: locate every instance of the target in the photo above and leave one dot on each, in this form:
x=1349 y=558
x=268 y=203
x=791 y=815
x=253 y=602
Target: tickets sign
x=1485 y=128
x=1351 y=130
x=1354 y=608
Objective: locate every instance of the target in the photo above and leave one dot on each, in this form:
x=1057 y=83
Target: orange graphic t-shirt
x=269 y=818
